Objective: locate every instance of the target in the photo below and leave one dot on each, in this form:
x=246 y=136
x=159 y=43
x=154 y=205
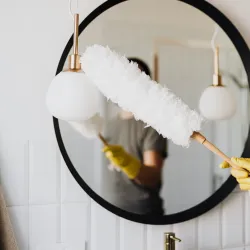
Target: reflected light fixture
x=71 y=95
x=217 y=102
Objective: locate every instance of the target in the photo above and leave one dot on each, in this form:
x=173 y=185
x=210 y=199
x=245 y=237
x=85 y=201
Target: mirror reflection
x=179 y=53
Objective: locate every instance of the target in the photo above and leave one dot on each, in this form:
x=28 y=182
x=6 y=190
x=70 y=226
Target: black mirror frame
x=227 y=187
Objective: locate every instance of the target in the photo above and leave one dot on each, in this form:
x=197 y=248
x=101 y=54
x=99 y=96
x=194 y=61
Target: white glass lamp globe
x=217 y=103
x=72 y=97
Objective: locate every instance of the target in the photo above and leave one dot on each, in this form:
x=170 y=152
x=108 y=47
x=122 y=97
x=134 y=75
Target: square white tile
x=75 y=223
x=44 y=172
x=209 y=229
x=247 y=217
x=71 y=190
x=104 y=229
x=44 y=225
x=187 y=232
x=132 y=235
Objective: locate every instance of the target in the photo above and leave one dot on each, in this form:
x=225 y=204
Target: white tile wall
x=187 y=231
x=48 y=209
x=74 y=223
x=247 y=219
x=70 y=190
x=233 y=225
x=43 y=225
x=105 y=235
x=128 y=241
x=209 y=229
x=155 y=236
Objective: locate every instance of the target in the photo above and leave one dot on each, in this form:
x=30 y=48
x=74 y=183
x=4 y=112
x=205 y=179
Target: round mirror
x=173 y=42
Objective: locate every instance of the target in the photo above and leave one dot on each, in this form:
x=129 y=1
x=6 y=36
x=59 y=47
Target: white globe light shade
x=72 y=97
x=217 y=103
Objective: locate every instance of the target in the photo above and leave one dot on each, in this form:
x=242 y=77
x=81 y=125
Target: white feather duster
x=123 y=83
x=89 y=128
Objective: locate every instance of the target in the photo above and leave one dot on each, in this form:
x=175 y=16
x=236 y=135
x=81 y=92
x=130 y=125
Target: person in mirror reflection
x=139 y=152
x=242 y=176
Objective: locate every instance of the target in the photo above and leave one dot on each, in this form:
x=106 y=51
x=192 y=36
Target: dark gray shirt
x=135 y=138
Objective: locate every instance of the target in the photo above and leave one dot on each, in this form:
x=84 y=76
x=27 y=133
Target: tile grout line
x=145 y=237
x=48 y=204
x=118 y=233
x=228 y=248
x=121 y=236
x=197 y=233
x=29 y=162
x=244 y=217
x=220 y=225
x=89 y=225
x=58 y=197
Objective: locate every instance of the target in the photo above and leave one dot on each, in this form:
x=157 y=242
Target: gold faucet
x=170 y=240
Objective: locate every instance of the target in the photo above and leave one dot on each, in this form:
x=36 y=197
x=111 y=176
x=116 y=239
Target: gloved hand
x=242 y=176
x=120 y=158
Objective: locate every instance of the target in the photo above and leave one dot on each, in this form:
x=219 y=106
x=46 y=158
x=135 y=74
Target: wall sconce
x=216 y=101
x=71 y=95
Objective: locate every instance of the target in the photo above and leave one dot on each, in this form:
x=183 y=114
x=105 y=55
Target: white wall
x=46 y=205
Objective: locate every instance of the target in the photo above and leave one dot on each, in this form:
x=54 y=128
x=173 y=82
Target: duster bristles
x=123 y=83
x=89 y=128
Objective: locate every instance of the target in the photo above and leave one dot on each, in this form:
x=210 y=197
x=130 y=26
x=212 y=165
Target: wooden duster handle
x=103 y=139
x=202 y=140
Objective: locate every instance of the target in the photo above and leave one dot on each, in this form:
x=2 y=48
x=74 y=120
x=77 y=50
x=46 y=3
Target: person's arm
x=148 y=172
x=154 y=148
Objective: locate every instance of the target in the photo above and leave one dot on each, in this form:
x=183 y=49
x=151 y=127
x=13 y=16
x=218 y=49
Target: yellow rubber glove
x=120 y=158
x=242 y=176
